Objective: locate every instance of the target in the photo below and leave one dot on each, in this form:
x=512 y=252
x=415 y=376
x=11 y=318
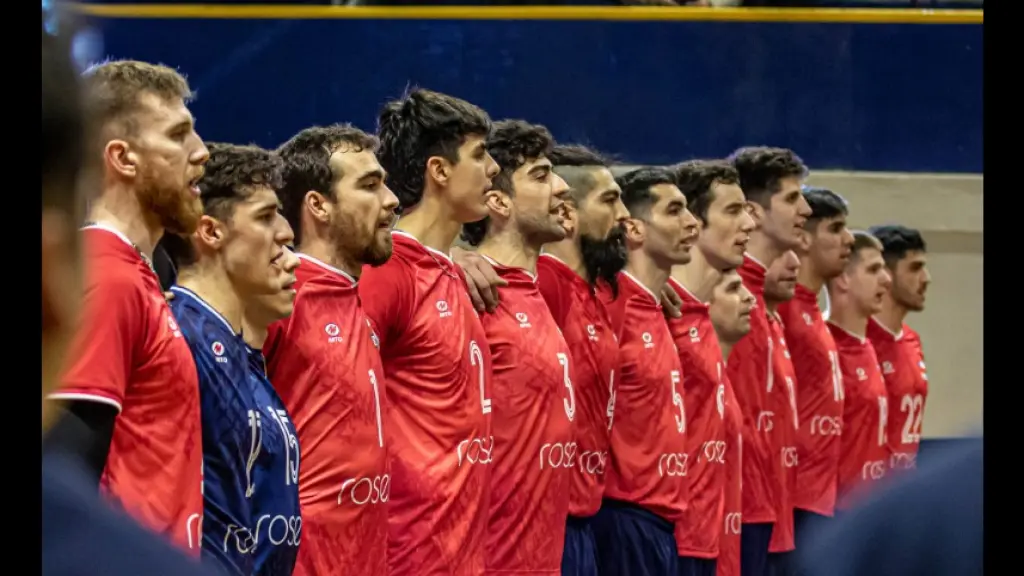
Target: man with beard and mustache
x=80 y=534
x=533 y=371
x=324 y=359
x=647 y=487
x=824 y=253
x=898 y=346
x=131 y=388
x=714 y=196
x=568 y=272
x=771 y=180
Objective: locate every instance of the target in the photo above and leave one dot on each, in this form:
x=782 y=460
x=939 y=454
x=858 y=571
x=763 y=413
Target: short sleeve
x=386 y=295
x=103 y=349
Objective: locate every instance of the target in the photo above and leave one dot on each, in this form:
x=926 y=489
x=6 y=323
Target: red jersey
x=532 y=469
x=819 y=401
x=906 y=382
x=732 y=514
x=594 y=349
x=750 y=371
x=323 y=362
x=864 y=449
x=783 y=435
x=700 y=528
x=649 y=458
x=438 y=367
x=130 y=354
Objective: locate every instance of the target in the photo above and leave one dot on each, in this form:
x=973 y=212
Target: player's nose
x=492 y=168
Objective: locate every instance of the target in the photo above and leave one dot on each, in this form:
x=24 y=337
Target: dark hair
x=761 y=168
x=897 y=241
x=695 y=179
x=576 y=164
x=418 y=126
x=230 y=174
x=64 y=123
x=863 y=240
x=825 y=205
x=307 y=165
x=114 y=89
x=636 y=188
x=512 y=143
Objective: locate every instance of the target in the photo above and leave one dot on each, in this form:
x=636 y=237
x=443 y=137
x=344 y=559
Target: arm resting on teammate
x=84 y=430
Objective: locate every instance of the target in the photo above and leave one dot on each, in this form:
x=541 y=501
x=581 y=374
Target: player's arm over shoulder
x=387 y=295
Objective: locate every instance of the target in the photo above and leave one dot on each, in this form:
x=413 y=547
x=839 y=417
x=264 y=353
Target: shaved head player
x=898 y=346
x=436 y=359
x=824 y=254
x=771 y=180
x=714 y=196
x=323 y=360
x=533 y=370
x=568 y=273
x=131 y=387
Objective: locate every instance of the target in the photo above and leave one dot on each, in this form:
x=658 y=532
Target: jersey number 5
x=570 y=402
x=677 y=400
x=476 y=360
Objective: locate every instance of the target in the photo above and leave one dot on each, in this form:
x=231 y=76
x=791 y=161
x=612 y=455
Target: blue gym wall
x=845 y=95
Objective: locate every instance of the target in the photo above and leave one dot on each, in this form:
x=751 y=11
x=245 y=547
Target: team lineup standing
x=607 y=375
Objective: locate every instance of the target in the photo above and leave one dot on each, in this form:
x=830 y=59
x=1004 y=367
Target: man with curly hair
x=250 y=456
x=771 y=180
x=533 y=378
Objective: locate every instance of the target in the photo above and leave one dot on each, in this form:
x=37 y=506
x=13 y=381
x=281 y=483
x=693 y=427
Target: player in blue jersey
x=276 y=472
x=235 y=256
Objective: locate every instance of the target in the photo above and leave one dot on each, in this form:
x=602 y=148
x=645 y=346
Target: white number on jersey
x=255 y=444
x=883 y=418
x=792 y=402
x=913 y=406
x=376 y=406
x=677 y=400
x=291 y=443
x=610 y=409
x=837 y=377
x=570 y=402
x=476 y=359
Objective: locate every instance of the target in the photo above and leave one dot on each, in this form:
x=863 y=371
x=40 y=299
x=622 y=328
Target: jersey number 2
x=677 y=400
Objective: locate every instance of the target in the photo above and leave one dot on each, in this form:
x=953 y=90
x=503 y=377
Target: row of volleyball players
x=330 y=388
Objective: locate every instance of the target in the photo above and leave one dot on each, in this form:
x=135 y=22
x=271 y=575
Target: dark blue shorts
x=781 y=564
x=754 y=543
x=579 y=557
x=632 y=541
x=806 y=525
x=689 y=566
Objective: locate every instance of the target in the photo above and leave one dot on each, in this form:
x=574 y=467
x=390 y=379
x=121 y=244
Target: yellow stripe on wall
x=606 y=13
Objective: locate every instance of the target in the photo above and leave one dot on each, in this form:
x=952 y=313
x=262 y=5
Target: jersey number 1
x=476 y=359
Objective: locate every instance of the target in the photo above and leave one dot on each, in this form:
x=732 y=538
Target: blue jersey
x=275 y=477
x=231 y=432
